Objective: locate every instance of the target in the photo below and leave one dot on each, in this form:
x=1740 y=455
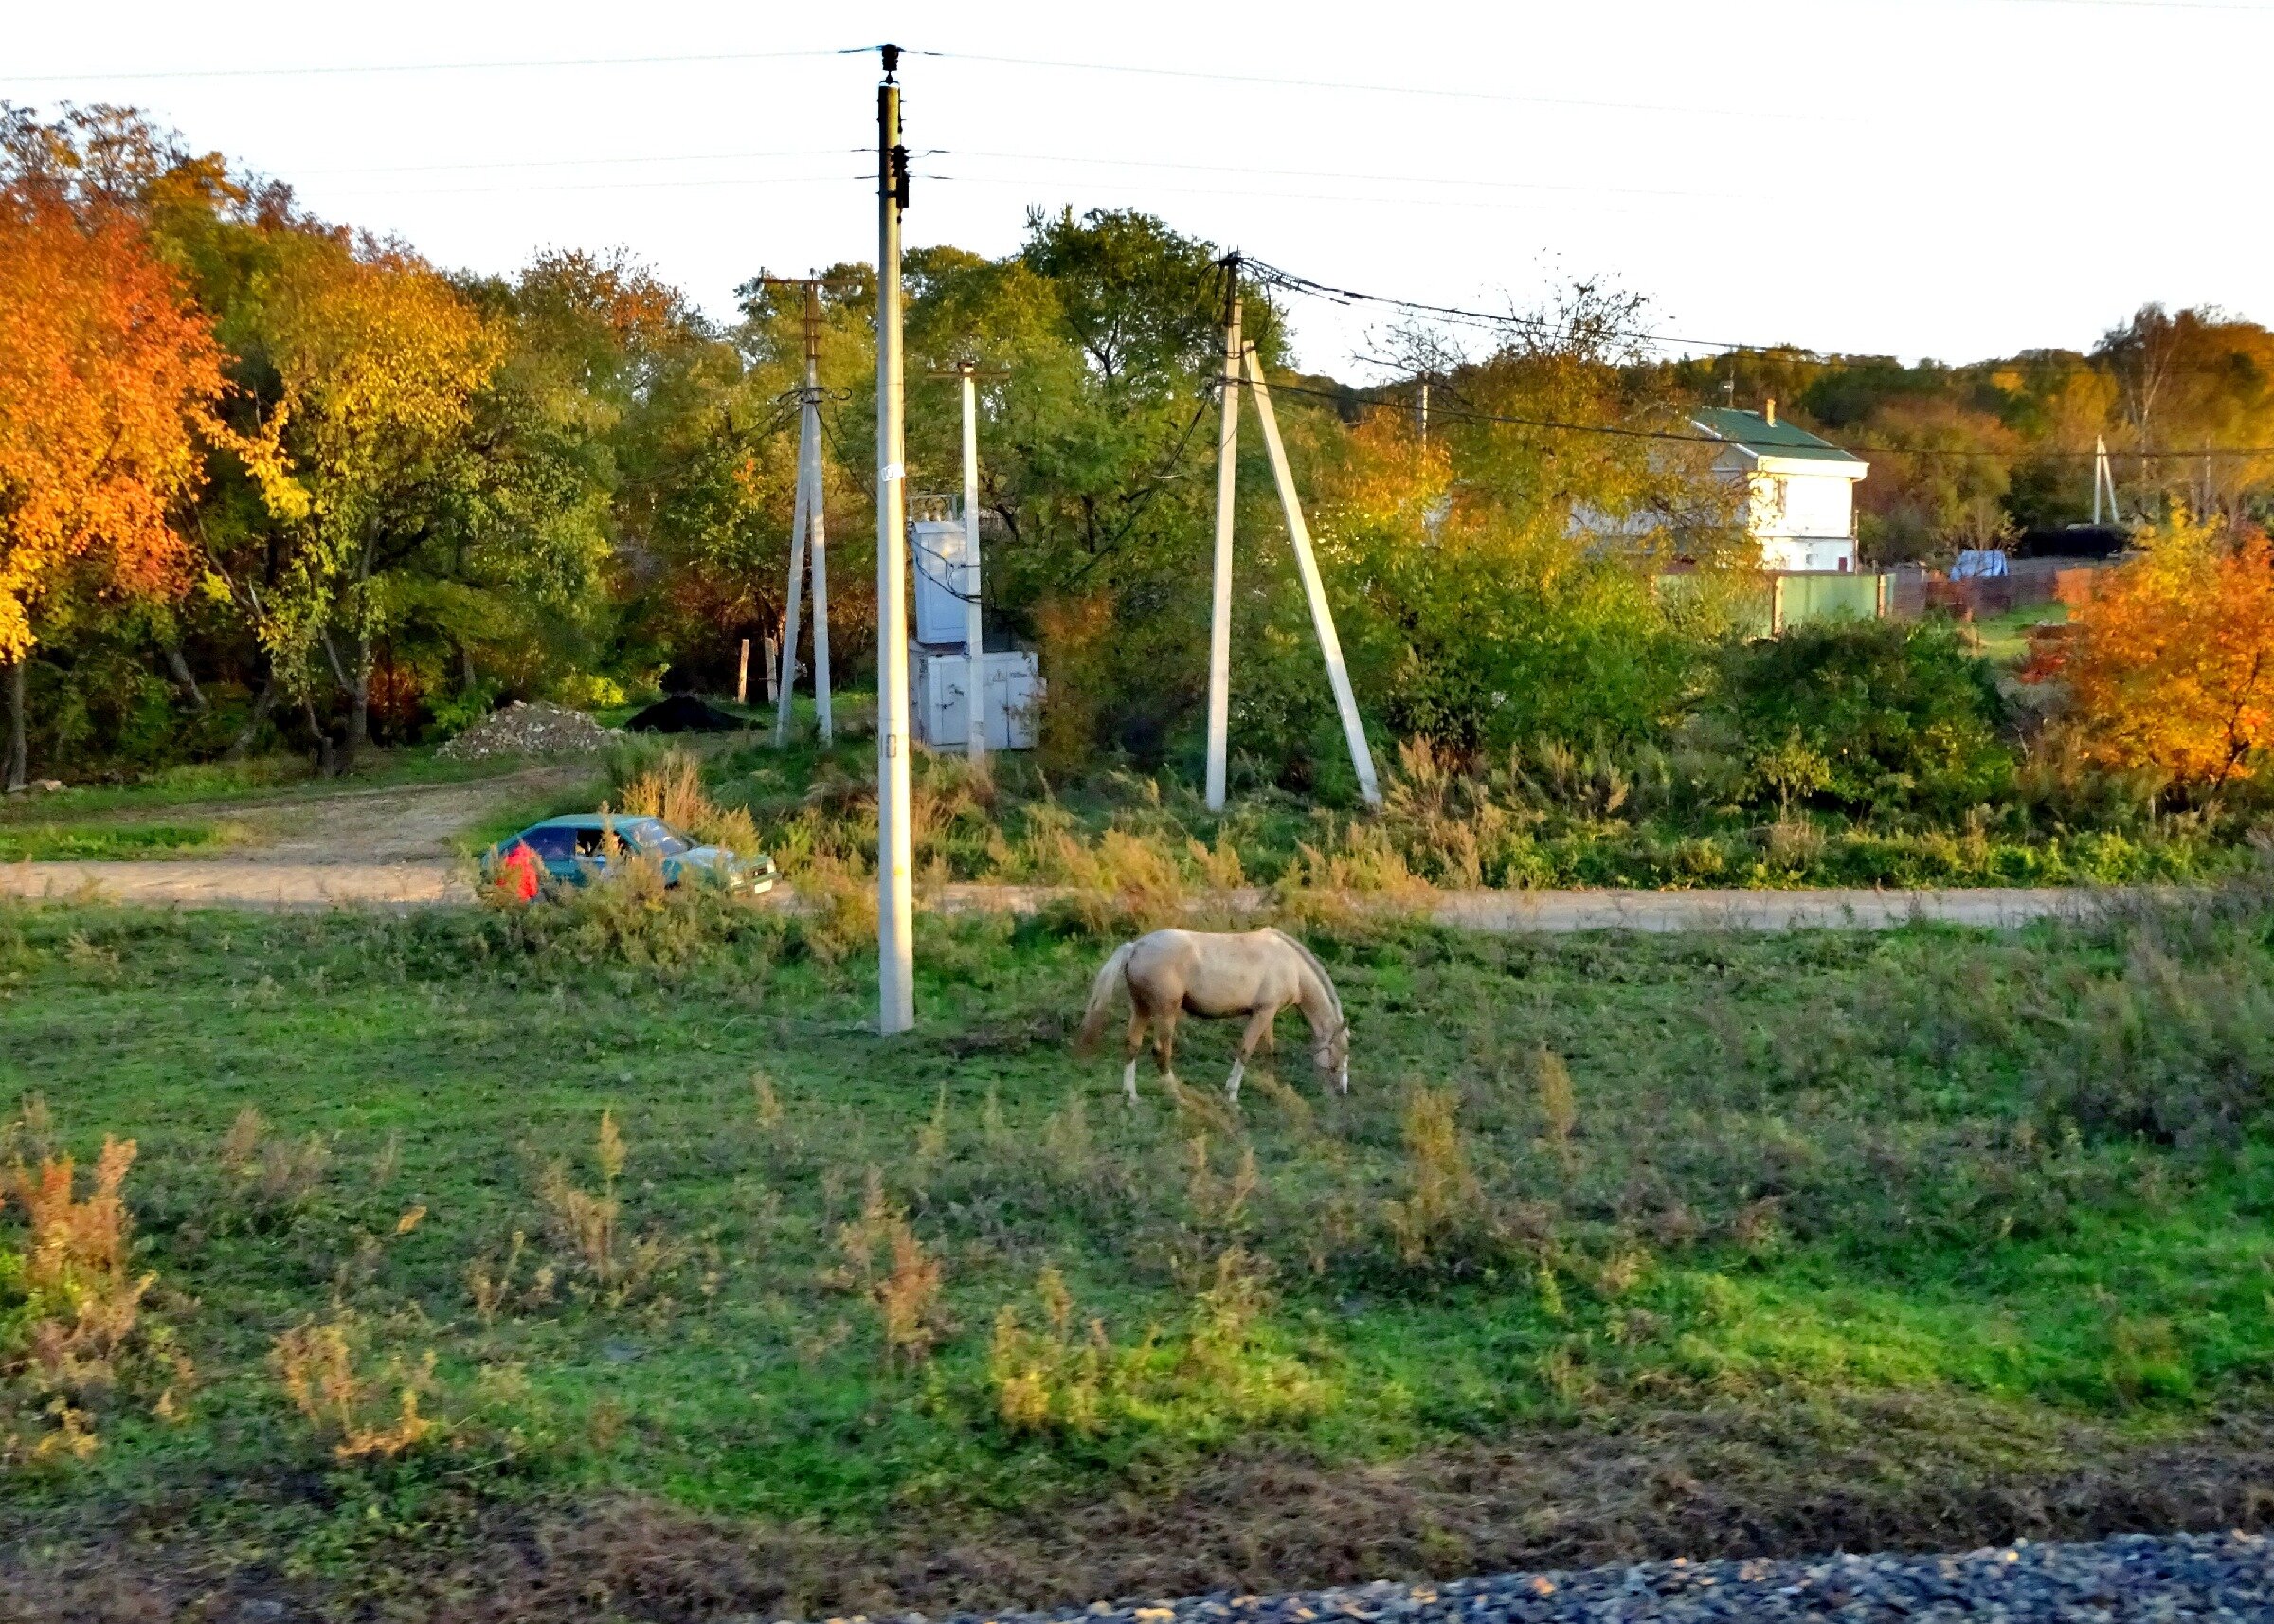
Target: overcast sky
x=1953 y=178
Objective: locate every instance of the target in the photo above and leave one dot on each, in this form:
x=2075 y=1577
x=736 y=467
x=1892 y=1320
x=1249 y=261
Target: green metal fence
x=1773 y=603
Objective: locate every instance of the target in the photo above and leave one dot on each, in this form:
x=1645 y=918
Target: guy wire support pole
x=1315 y=589
x=975 y=677
x=1220 y=614
x=808 y=526
x=896 y=907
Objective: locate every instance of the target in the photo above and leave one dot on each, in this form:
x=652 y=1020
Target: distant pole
x=975 y=671
x=1425 y=410
x=809 y=431
x=798 y=522
x=1315 y=589
x=741 y=675
x=2100 y=467
x=1219 y=616
x=895 y=906
x=807 y=527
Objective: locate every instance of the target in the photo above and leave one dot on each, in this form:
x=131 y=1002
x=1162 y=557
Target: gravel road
x=286 y=876
x=2133 y=1576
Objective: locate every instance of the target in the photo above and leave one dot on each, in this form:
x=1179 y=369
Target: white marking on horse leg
x=1240 y=1069
x=1129 y=1081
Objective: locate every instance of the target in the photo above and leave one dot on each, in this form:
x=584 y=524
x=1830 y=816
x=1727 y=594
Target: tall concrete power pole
x=807 y=528
x=896 y=905
x=975 y=670
x=1220 y=611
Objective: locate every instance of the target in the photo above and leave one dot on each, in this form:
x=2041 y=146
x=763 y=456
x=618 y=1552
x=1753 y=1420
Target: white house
x=1802 y=489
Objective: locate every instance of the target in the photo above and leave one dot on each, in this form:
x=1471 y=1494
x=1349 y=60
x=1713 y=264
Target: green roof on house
x=1757 y=434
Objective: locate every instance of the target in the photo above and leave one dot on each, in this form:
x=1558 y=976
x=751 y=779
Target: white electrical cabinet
x=945 y=579
x=937 y=685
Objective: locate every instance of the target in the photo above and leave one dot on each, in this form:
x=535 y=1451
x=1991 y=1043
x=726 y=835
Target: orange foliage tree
x=108 y=377
x=2170 y=667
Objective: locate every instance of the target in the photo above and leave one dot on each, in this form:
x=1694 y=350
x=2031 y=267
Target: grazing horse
x=1254 y=973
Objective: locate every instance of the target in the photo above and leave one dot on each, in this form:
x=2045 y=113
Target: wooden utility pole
x=807 y=528
x=896 y=905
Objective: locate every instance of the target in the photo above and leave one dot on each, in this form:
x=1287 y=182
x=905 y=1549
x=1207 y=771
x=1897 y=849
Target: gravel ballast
x=2131 y=1577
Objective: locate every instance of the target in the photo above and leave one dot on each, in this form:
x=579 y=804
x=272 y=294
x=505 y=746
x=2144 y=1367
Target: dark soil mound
x=684 y=713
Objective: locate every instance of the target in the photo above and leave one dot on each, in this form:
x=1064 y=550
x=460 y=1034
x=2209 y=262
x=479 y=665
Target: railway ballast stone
x=2131 y=1577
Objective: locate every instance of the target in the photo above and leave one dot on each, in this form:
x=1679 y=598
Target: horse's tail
x=1101 y=997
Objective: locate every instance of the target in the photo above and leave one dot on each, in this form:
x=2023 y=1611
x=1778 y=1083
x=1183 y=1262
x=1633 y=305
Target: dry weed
x=671 y=789
x=366 y=1414
x=1218 y=1198
x=837 y=916
x=905 y=1290
x=769 y=1105
x=1559 y=1100
x=1442 y=1196
x=72 y=1323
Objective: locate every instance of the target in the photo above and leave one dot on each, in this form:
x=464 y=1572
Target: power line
x=1471 y=414
x=1433 y=92
x=341 y=69
x=1291 y=283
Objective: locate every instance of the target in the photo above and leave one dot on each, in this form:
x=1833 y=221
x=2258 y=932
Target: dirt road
x=267 y=880
x=395 y=845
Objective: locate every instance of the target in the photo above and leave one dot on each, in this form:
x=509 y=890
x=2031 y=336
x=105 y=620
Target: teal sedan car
x=573 y=851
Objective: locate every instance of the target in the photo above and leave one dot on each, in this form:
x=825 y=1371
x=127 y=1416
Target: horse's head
x=1330 y=1053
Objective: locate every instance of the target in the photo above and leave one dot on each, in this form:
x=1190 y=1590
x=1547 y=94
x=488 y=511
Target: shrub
x=2170 y=667
x=1866 y=714
x=72 y=1324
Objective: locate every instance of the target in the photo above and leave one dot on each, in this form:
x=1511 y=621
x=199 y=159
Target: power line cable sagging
x=1289 y=281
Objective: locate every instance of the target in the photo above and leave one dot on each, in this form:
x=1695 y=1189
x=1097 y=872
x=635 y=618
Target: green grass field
x=1864 y=1238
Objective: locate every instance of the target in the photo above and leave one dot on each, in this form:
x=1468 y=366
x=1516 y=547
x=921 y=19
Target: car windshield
x=649 y=835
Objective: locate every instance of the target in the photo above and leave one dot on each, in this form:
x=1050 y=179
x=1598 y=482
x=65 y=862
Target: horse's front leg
x=1259 y=1031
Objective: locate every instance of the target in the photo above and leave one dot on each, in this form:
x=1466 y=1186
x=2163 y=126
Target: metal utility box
x=945 y=579
x=936 y=707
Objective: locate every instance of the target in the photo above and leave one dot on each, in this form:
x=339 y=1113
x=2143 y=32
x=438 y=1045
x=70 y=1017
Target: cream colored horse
x=1254 y=973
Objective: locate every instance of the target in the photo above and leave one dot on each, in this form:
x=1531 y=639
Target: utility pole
x=1306 y=565
x=975 y=671
x=2103 y=474
x=1425 y=408
x=807 y=528
x=896 y=905
x=1219 y=616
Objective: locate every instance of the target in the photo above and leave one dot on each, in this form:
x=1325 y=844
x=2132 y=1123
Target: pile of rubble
x=525 y=728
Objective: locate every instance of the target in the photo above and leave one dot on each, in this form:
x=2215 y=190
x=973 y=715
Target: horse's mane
x=1313 y=960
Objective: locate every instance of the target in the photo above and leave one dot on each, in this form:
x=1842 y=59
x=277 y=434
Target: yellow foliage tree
x=379 y=360
x=2170 y=668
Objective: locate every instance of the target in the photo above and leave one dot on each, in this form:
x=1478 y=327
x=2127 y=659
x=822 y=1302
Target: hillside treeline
x=270 y=483
x=1976 y=455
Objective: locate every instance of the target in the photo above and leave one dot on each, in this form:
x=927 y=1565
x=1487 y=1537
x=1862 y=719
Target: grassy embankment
x=1616 y=1245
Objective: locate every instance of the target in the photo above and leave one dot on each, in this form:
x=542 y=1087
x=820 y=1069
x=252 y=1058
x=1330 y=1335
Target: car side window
x=589 y=842
x=550 y=846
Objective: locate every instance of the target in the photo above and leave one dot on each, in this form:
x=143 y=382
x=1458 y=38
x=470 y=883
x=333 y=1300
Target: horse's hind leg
x=1259 y=1031
x=1164 y=1043
x=1130 y=1050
